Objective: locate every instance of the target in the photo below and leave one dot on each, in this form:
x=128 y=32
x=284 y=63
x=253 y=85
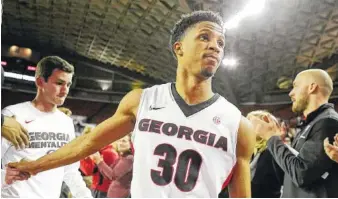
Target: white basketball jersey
x=181 y=150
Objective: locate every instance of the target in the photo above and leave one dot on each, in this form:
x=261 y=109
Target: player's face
x=299 y=95
x=203 y=48
x=56 y=89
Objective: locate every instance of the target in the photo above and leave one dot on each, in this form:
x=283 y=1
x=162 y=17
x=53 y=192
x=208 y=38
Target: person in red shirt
x=120 y=173
x=88 y=166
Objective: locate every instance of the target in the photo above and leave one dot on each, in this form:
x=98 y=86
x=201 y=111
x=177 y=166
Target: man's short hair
x=47 y=65
x=188 y=20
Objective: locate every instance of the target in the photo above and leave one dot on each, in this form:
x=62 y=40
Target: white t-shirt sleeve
x=72 y=176
x=7 y=112
x=75 y=182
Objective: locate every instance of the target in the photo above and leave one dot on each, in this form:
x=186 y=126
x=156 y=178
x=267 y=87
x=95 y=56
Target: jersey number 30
x=186 y=172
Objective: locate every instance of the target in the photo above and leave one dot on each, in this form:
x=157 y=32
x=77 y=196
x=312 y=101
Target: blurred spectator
x=121 y=171
x=89 y=167
x=266 y=176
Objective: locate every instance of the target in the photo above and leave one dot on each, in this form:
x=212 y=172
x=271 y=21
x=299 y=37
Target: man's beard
x=206 y=73
x=300 y=105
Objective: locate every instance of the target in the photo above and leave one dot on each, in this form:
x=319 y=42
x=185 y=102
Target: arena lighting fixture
x=252 y=8
x=19 y=76
x=229 y=62
x=104 y=84
x=13 y=48
x=105 y=87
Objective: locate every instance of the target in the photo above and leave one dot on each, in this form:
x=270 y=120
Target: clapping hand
x=332 y=149
x=266 y=127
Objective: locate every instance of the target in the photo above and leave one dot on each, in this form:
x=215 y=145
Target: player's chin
x=207 y=74
x=208 y=71
x=59 y=102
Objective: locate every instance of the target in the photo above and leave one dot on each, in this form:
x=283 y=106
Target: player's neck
x=193 y=90
x=42 y=105
x=314 y=105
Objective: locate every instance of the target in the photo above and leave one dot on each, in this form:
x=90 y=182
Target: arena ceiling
x=125 y=42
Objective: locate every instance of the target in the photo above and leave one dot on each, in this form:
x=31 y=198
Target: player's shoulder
x=158 y=90
x=225 y=104
x=158 y=87
x=16 y=108
x=157 y=94
x=64 y=119
x=19 y=105
x=63 y=116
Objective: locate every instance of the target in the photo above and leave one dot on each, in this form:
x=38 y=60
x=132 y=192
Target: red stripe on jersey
x=132 y=147
x=226 y=182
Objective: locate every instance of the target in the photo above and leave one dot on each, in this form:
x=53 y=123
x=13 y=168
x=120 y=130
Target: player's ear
x=266 y=118
x=178 y=49
x=39 y=82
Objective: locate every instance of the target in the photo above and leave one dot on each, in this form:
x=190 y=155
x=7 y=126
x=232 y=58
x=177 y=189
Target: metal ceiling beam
x=126 y=73
x=279 y=98
x=75 y=93
x=327 y=62
x=75 y=58
x=112 y=37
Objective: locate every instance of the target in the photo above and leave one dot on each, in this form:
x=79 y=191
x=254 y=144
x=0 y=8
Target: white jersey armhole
x=236 y=136
x=139 y=110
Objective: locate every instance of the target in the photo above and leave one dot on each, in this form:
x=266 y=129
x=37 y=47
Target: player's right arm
x=110 y=130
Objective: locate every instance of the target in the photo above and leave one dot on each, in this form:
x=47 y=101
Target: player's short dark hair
x=47 y=65
x=188 y=20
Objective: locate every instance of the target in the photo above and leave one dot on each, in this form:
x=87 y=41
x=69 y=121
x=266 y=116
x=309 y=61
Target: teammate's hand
x=332 y=149
x=13 y=174
x=15 y=133
x=25 y=167
x=265 y=128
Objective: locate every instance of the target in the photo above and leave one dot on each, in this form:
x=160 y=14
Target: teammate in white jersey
x=48 y=129
x=188 y=141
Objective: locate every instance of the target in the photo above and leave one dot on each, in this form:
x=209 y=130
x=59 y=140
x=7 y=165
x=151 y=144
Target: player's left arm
x=240 y=184
x=75 y=182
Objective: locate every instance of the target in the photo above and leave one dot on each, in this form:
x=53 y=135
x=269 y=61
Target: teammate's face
x=56 y=89
x=299 y=94
x=202 y=48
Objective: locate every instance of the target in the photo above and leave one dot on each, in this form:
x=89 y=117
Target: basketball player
x=48 y=130
x=188 y=141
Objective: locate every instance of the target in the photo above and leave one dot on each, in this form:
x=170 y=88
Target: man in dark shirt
x=308 y=171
